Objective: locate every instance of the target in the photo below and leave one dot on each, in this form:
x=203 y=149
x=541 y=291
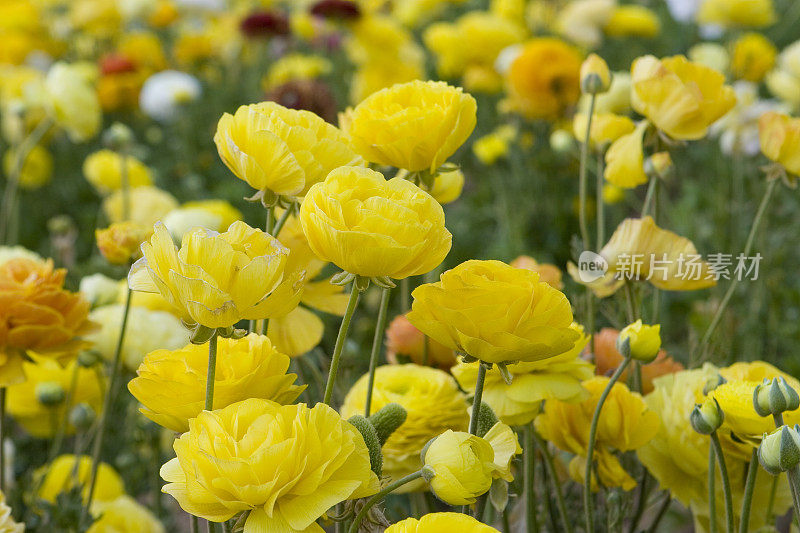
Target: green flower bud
x=82 y=416
x=89 y=358
x=779 y=451
x=49 y=393
x=774 y=397
x=707 y=417
x=387 y=420
x=117 y=137
x=370 y=436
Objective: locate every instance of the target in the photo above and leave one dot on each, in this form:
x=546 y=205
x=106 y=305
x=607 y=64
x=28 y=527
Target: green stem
x=648 y=199
x=211 y=375
x=506 y=522
x=405 y=295
x=762 y=208
x=587 y=488
x=476 y=399
x=794 y=485
x=155 y=447
x=744 y=515
x=125 y=186
x=551 y=474
x=377 y=343
x=662 y=510
x=640 y=502
x=211 y=526
x=583 y=174
x=107 y=405
x=380 y=496
x=282 y=221
x=778 y=419
x=531 y=522
x=601 y=219
x=712 y=489
x=270 y=220
x=340 y=338
x=726 y=482
x=194 y=524
x=62 y=425
x=771 y=500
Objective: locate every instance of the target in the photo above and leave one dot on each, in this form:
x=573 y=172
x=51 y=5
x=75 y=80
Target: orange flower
x=607 y=359
x=37 y=313
x=548 y=273
x=405 y=340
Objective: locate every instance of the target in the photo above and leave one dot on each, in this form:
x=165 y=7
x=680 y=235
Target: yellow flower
x=7 y=523
x=119 y=243
x=517 y=403
x=737 y=13
x=462 y=466
x=72 y=101
x=780 y=140
x=492 y=146
x=640 y=250
x=617 y=100
x=373 y=77
x=103 y=169
x=61 y=476
x=548 y=273
x=144 y=49
x=447 y=186
x=645 y=340
x=712 y=55
x=371 y=227
x=224 y=210
x=148 y=205
x=192 y=47
x=300 y=462
x=505 y=445
x=438 y=522
x=147 y=330
x=544 y=80
x=606 y=128
x=610 y=470
x=595 y=76
x=495 y=313
x=784 y=81
x=680 y=97
x=170 y=384
x=123 y=515
x=414 y=126
x=217 y=279
x=283 y=151
x=293 y=67
x=37 y=169
x=37 y=418
x=632 y=21
x=580 y=21
x=753 y=56
x=416 y=388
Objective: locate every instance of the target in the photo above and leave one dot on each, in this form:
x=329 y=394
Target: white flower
x=164 y=92
x=99 y=289
x=683 y=10
x=738 y=130
x=184 y=219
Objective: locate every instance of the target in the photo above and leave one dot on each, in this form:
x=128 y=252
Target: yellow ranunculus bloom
x=61 y=476
x=148 y=205
x=414 y=126
x=284 y=151
x=287 y=465
x=579 y=21
x=645 y=340
x=680 y=97
x=632 y=21
x=416 y=388
x=119 y=243
x=737 y=13
x=517 y=403
x=640 y=250
x=462 y=467
x=492 y=146
x=372 y=227
x=495 y=313
x=606 y=128
x=544 y=80
x=439 y=522
x=712 y=55
x=780 y=140
x=37 y=418
x=73 y=101
x=103 y=169
x=123 y=515
x=170 y=384
x=753 y=56
x=218 y=279
x=37 y=169
x=505 y=444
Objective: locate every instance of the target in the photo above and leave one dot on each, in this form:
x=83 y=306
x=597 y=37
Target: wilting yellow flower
x=518 y=402
x=103 y=169
x=492 y=146
x=300 y=461
x=217 y=279
x=495 y=313
x=416 y=388
x=462 y=466
x=119 y=243
x=37 y=418
x=7 y=523
x=753 y=56
x=737 y=13
x=284 y=151
x=170 y=384
x=680 y=97
x=403 y=340
x=37 y=169
x=147 y=330
x=438 y=522
x=148 y=205
x=606 y=128
x=548 y=273
x=632 y=21
x=123 y=515
x=641 y=251
x=372 y=227
x=544 y=80
x=625 y=159
x=644 y=339
x=73 y=101
x=61 y=476
x=780 y=140
x=414 y=126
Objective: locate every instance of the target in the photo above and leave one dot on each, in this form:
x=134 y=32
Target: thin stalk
x=762 y=208
x=551 y=474
x=506 y=522
x=641 y=502
x=794 y=485
x=630 y=306
x=587 y=488
x=648 y=198
x=340 y=338
x=476 y=399
x=194 y=524
x=211 y=526
x=662 y=510
x=62 y=425
x=747 y=500
x=211 y=375
x=282 y=221
x=529 y=466
x=405 y=295
x=155 y=447
x=600 y=210
x=771 y=500
x=726 y=482
x=107 y=405
x=380 y=496
x=712 y=489
x=377 y=344
x=583 y=174
x=270 y=220
x=2 y=439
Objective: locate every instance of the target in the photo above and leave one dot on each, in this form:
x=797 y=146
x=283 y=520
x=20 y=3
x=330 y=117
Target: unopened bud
x=644 y=341
x=713 y=383
x=387 y=420
x=659 y=165
x=775 y=397
x=117 y=137
x=372 y=441
x=82 y=416
x=49 y=393
x=595 y=76
x=707 y=417
x=779 y=451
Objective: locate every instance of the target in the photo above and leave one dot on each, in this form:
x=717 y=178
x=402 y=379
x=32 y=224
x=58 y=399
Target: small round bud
x=707 y=417
x=562 y=141
x=659 y=165
x=595 y=76
x=643 y=341
x=775 y=397
x=117 y=137
x=387 y=420
x=82 y=416
x=779 y=451
x=89 y=358
x=49 y=393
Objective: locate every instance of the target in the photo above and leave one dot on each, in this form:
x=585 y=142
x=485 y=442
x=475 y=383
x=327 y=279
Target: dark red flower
x=262 y=24
x=338 y=9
